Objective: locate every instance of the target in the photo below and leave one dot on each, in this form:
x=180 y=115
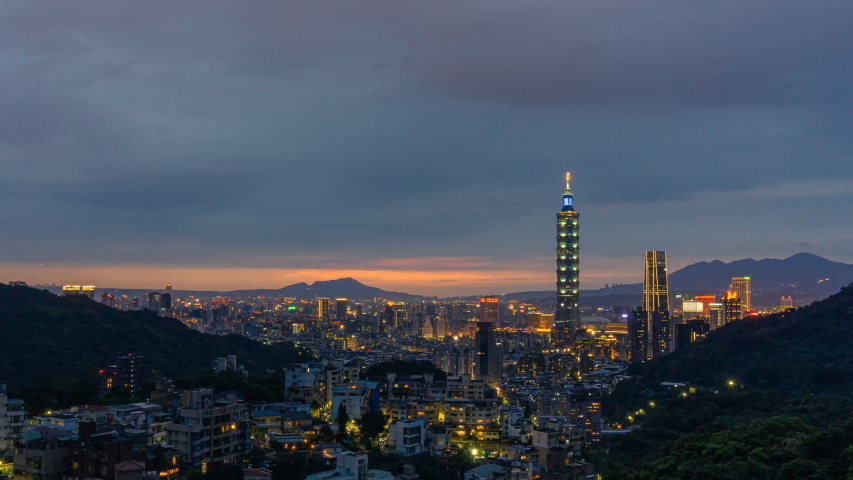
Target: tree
x=341 y=419
x=372 y=425
x=157 y=461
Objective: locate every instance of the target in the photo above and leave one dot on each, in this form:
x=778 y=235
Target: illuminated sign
x=169 y=472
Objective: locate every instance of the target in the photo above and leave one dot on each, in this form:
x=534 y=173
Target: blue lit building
x=567 y=315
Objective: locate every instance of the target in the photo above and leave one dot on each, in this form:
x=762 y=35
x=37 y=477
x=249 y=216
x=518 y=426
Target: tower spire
x=568 y=188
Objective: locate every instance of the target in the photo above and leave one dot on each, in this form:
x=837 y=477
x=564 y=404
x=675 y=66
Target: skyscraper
x=655 y=285
x=323 y=307
x=490 y=309
x=732 y=307
x=341 y=308
x=567 y=315
x=489 y=364
x=743 y=287
x=638 y=335
x=656 y=305
x=169 y=288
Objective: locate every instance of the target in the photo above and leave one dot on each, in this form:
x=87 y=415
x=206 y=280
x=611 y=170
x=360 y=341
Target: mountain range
x=808 y=276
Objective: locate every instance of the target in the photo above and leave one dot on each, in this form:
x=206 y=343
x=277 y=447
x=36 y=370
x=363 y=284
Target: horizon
x=368 y=278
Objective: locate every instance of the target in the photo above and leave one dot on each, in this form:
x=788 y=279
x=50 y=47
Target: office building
x=689 y=332
x=638 y=335
x=706 y=300
x=87 y=290
x=655 y=284
x=786 y=302
x=743 y=287
x=323 y=307
x=716 y=316
x=490 y=309
x=154 y=301
x=657 y=329
x=732 y=308
x=567 y=315
x=341 y=309
x=488 y=358
x=168 y=288
x=692 y=309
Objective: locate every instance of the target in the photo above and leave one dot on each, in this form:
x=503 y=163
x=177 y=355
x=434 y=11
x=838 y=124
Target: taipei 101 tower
x=567 y=316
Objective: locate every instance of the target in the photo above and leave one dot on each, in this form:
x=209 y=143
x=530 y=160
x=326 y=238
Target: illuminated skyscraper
x=732 y=307
x=743 y=287
x=655 y=285
x=656 y=305
x=489 y=363
x=169 y=288
x=567 y=315
x=490 y=309
x=323 y=307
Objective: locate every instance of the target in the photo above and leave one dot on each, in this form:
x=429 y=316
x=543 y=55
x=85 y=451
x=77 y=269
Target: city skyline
x=253 y=150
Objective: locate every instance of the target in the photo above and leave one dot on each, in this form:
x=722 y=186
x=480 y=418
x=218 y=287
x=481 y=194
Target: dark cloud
x=208 y=132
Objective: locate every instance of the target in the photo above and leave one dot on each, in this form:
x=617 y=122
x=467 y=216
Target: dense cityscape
x=390 y=240
x=486 y=387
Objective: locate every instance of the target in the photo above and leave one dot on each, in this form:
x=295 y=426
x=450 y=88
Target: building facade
x=567 y=315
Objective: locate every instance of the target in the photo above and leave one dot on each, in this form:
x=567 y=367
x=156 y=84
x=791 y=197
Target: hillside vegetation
x=47 y=338
x=770 y=397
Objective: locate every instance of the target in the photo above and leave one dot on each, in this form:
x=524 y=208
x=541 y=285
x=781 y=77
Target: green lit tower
x=567 y=316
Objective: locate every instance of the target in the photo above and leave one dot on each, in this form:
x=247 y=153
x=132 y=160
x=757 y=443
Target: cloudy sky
x=418 y=146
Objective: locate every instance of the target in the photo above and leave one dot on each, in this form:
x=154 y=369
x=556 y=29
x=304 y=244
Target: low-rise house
x=488 y=471
x=43 y=452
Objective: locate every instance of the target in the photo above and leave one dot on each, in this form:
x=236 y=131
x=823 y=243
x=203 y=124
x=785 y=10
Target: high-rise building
x=732 y=308
x=133 y=371
x=154 y=301
x=655 y=285
x=743 y=287
x=567 y=315
x=341 y=308
x=656 y=307
x=323 y=307
x=169 y=288
x=488 y=358
x=786 y=302
x=638 y=335
x=490 y=309
x=166 y=303
x=716 y=315
x=706 y=300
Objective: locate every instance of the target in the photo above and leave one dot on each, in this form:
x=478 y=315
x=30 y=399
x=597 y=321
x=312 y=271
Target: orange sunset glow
x=442 y=276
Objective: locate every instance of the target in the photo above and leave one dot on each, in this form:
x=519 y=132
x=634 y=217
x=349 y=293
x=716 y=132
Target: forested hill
x=771 y=397
x=48 y=338
x=808 y=349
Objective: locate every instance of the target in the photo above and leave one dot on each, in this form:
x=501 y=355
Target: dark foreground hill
x=771 y=398
x=47 y=338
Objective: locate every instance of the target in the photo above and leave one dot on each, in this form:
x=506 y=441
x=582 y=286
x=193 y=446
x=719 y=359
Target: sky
x=417 y=146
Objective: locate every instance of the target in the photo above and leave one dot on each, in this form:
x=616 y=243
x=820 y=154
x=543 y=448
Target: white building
x=13 y=418
x=407 y=437
x=512 y=420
